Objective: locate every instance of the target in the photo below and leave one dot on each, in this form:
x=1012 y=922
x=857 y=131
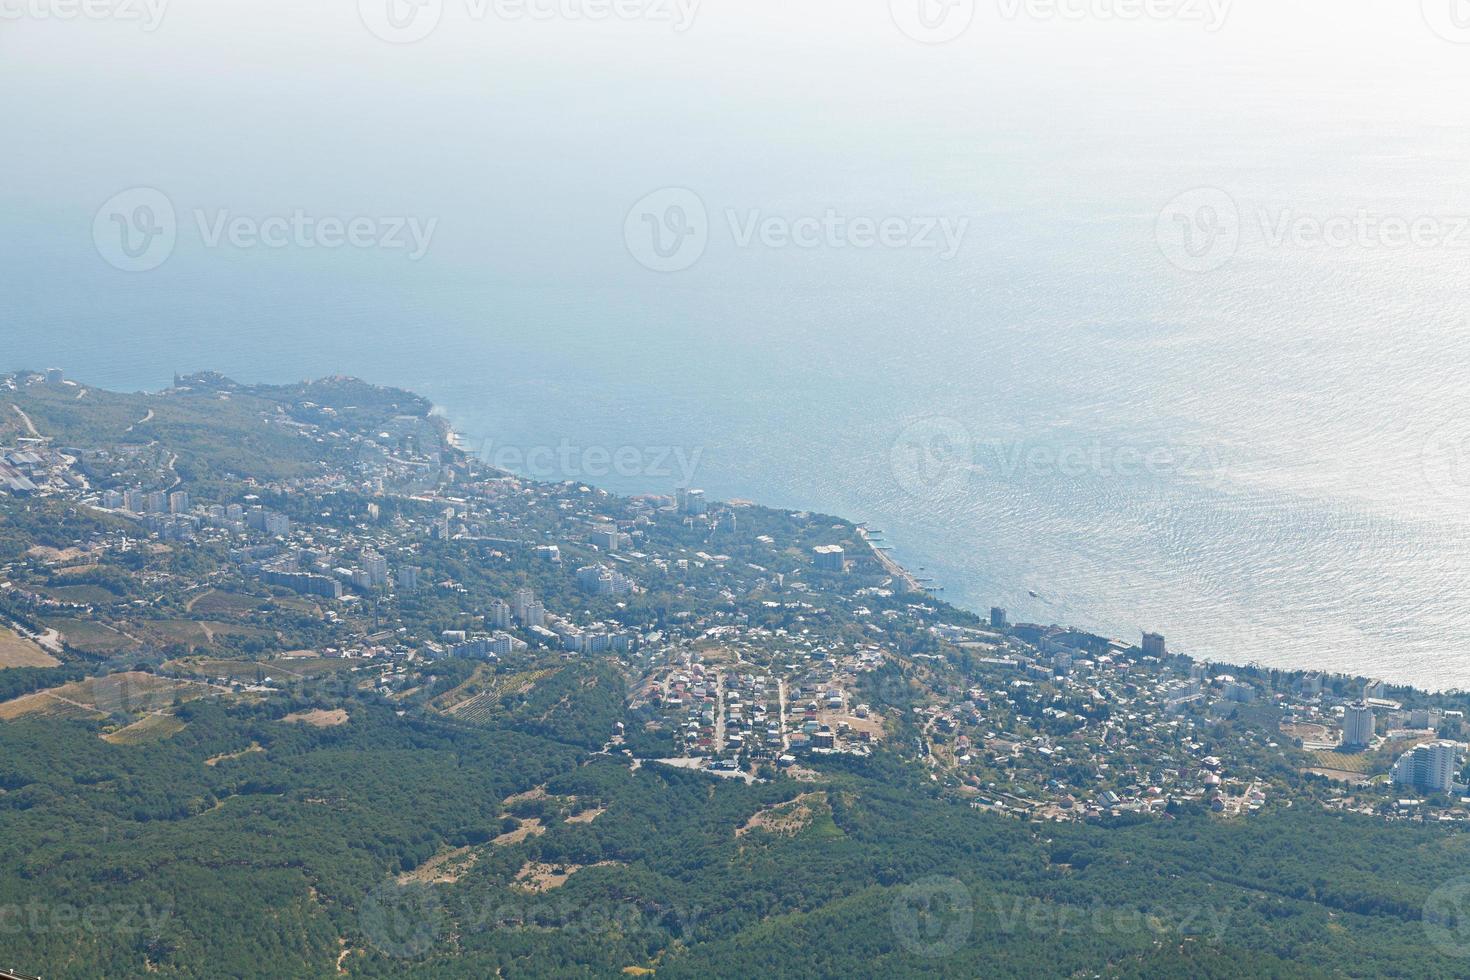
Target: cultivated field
x=479 y=698
x=98 y=697
x=93 y=637
x=152 y=728
x=217 y=603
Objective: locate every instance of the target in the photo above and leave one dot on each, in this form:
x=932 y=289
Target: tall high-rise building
x=520 y=602
x=1357 y=725
x=997 y=617
x=376 y=567
x=1430 y=767
x=1153 y=645
x=276 y=525
x=830 y=557
x=601 y=580
x=178 y=502
x=499 y=614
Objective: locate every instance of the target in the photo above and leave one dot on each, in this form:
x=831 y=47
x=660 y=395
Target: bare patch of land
x=786 y=819
x=17 y=651
x=537 y=793
x=538 y=877
x=226 y=757
x=1352 y=777
x=527 y=829
x=320 y=717
x=444 y=868
x=55 y=556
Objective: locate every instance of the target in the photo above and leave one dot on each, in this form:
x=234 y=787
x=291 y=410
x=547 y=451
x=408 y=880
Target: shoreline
x=910 y=584
x=457 y=440
x=891 y=565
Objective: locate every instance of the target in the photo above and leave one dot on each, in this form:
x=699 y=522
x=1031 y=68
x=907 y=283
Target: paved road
x=30 y=426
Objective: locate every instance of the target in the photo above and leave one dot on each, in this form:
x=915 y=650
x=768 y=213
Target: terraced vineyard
x=480 y=699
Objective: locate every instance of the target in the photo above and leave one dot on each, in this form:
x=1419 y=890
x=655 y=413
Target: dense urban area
x=294 y=648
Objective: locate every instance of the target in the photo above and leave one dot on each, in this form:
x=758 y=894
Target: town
x=343 y=544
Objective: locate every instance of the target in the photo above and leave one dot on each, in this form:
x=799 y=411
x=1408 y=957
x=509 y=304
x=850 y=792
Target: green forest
x=249 y=845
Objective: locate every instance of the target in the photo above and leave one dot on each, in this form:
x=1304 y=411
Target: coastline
x=911 y=584
x=890 y=565
x=458 y=440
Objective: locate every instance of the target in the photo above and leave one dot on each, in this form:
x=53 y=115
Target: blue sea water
x=1265 y=460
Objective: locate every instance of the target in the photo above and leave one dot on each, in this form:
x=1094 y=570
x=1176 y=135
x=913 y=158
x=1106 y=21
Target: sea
x=1125 y=326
